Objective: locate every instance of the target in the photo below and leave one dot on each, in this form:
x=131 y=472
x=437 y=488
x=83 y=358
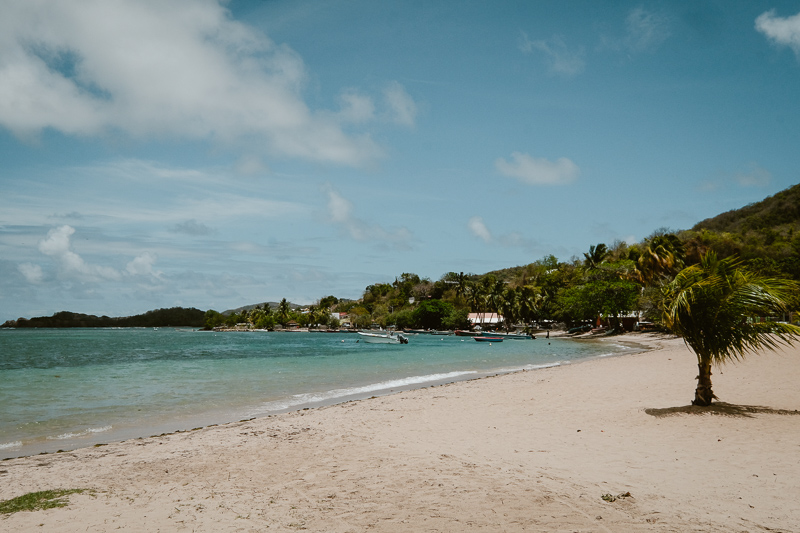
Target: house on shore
x=485 y=320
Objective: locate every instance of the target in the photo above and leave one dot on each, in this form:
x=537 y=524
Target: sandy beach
x=531 y=451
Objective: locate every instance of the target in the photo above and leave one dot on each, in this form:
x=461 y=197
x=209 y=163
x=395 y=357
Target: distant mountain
x=174 y=317
x=781 y=211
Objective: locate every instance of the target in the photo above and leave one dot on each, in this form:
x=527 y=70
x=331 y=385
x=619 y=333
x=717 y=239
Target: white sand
x=532 y=451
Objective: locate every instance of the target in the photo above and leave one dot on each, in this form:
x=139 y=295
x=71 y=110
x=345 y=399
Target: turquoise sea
x=68 y=388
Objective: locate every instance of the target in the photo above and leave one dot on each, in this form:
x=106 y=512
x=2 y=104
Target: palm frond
x=712 y=305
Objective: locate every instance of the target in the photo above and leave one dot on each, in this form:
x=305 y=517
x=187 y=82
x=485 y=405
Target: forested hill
x=766 y=233
x=781 y=211
x=173 y=317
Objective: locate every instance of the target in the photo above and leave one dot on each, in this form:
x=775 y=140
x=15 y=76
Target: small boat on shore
x=488 y=339
x=464 y=333
x=383 y=338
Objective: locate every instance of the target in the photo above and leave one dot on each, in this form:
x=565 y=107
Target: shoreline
x=520 y=451
x=94 y=437
x=109 y=430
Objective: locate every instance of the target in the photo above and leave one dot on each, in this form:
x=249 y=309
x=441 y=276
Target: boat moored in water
x=488 y=339
x=383 y=338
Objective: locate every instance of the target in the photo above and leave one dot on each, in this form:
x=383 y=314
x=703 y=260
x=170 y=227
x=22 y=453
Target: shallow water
x=66 y=388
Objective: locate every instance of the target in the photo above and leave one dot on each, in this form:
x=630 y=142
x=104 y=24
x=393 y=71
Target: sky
x=213 y=154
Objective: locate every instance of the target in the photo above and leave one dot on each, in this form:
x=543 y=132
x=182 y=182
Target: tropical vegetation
x=610 y=282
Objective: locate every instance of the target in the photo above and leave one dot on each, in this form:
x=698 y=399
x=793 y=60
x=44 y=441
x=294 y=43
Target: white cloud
x=561 y=60
x=142 y=265
x=250 y=165
x=781 y=30
x=339 y=208
x=356 y=107
x=645 y=29
x=72 y=266
x=182 y=69
x=538 y=171
x=340 y=213
x=33 y=273
x=402 y=108
x=479 y=229
x=755 y=176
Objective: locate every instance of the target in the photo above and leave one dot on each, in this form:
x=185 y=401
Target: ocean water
x=68 y=388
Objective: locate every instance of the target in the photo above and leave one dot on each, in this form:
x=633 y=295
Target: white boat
x=384 y=338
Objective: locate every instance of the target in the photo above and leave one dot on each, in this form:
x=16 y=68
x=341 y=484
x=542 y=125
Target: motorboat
x=383 y=338
x=488 y=339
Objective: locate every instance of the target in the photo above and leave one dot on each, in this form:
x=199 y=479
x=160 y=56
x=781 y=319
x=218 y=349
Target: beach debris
x=611 y=498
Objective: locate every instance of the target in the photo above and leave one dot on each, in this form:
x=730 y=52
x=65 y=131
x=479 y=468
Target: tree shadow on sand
x=720 y=409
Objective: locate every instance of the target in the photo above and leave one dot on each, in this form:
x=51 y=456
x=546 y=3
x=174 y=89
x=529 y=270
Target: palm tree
x=461 y=284
x=509 y=307
x=530 y=298
x=661 y=259
x=714 y=306
x=284 y=310
x=597 y=254
x=474 y=297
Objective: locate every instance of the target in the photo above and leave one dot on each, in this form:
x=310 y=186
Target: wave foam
x=527 y=367
x=314 y=397
x=8 y=445
x=83 y=433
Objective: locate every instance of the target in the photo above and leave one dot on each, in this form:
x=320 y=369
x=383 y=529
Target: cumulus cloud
x=183 y=69
x=560 y=59
x=33 y=273
x=356 y=107
x=340 y=214
x=57 y=245
x=479 y=229
x=783 y=31
x=142 y=265
x=402 y=108
x=72 y=266
x=538 y=171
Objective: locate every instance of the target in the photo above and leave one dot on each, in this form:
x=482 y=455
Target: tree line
x=607 y=281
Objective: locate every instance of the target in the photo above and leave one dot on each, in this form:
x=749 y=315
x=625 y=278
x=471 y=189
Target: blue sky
x=209 y=154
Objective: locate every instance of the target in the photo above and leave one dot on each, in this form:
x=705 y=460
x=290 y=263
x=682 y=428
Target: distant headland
x=173 y=317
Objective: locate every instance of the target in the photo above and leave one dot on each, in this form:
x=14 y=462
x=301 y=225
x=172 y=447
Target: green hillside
x=766 y=233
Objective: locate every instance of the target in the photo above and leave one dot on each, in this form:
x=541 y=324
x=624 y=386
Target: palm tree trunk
x=703 y=395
